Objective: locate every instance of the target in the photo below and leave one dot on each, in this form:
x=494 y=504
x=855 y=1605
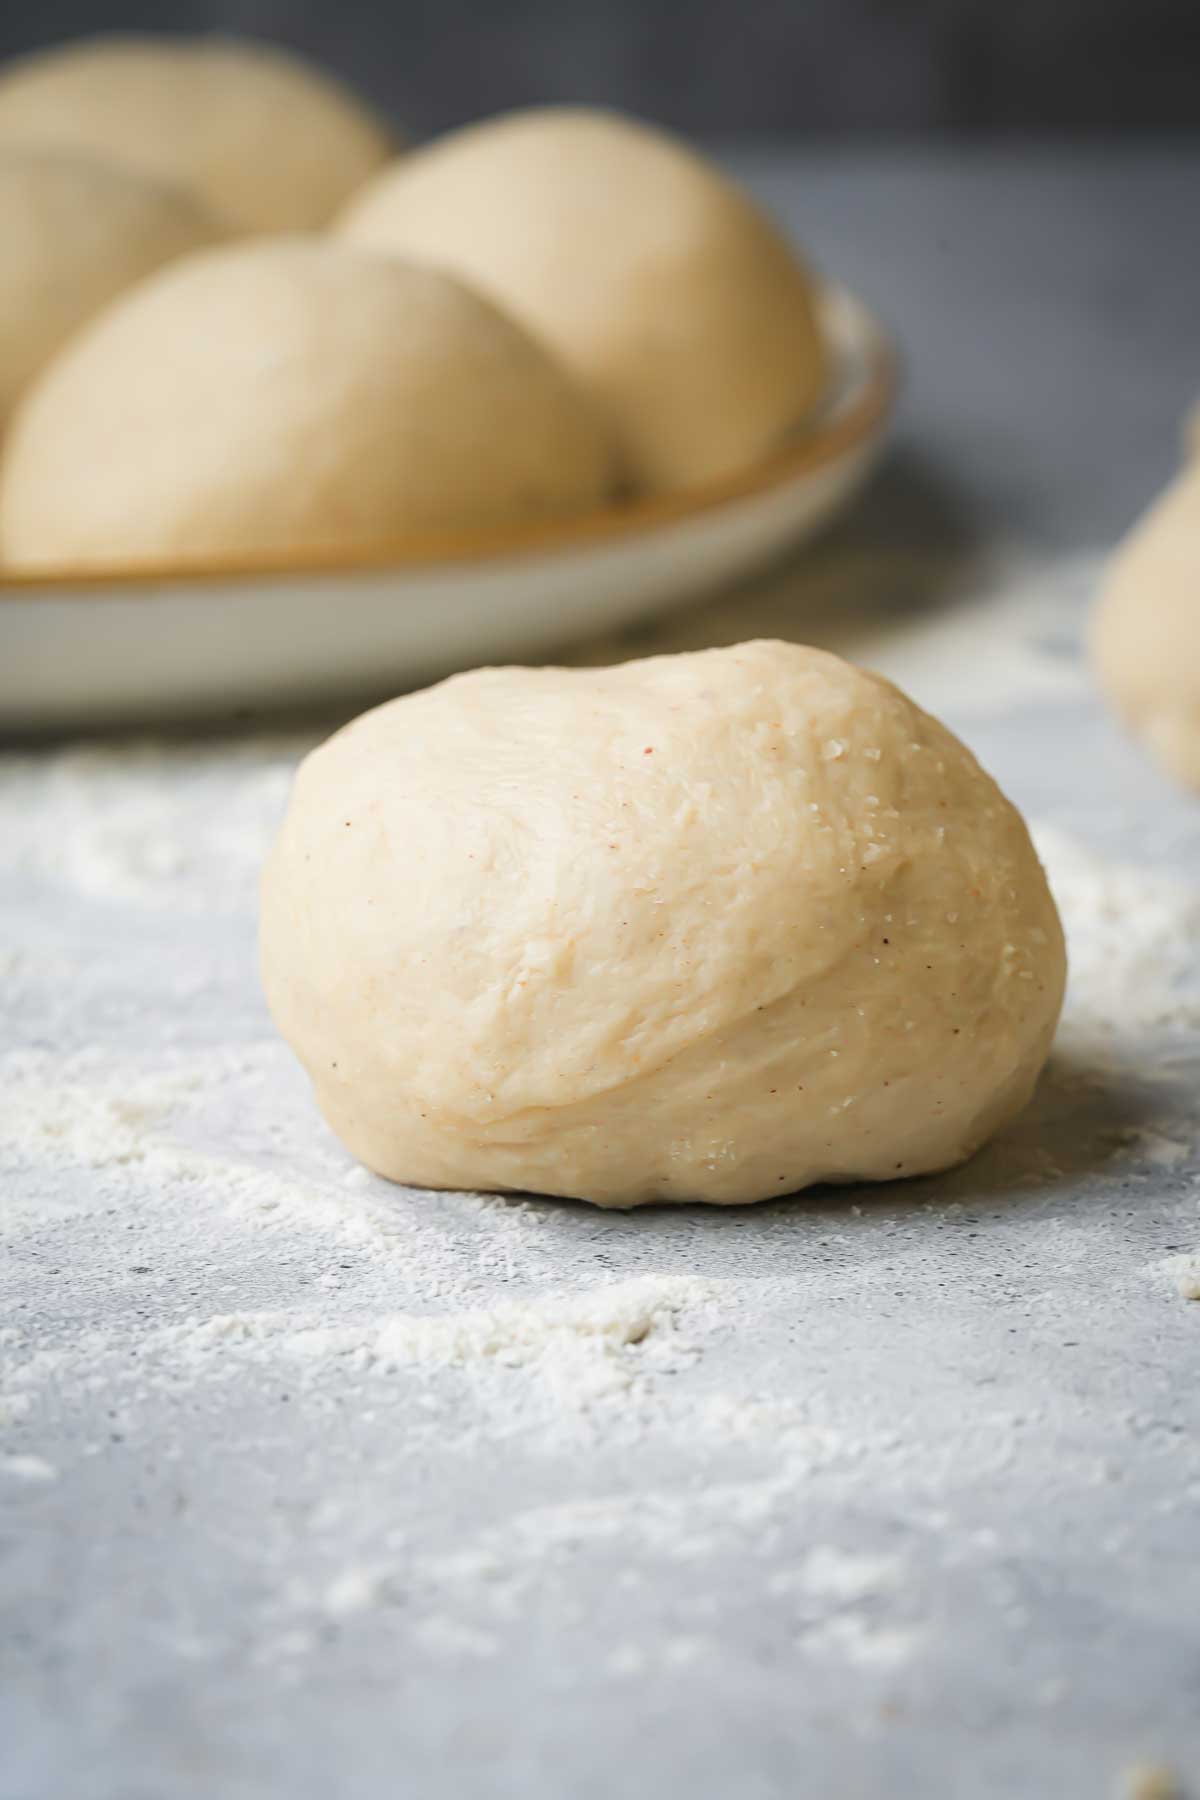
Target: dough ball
x=290 y=395
x=657 y=281
x=1191 y=431
x=76 y=232
x=1146 y=630
x=265 y=140
x=705 y=927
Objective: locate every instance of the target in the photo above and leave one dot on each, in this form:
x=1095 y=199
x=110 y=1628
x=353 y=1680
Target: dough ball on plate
x=705 y=927
x=266 y=140
x=76 y=232
x=657 y=280
x=1146 y=629
x=285 y=396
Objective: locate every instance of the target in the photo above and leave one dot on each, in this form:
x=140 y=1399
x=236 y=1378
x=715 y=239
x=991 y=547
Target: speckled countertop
x=310 y=1486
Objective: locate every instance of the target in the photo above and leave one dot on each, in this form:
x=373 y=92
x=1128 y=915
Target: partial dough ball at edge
x=1145 y=630
x=266 y=139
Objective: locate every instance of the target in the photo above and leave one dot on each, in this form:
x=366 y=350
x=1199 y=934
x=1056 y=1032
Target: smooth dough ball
x=290 y=395
x=76 y=232
x=1146 y=629
x=657 y=281
x=705 y=927
x=267 y=141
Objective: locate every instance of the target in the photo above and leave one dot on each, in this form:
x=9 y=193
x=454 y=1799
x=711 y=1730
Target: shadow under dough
x=1081 y=1123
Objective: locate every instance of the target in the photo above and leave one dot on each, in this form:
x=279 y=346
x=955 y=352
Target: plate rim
x=848 y=430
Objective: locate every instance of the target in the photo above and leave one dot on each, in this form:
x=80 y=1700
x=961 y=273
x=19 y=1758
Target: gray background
x=822 y=67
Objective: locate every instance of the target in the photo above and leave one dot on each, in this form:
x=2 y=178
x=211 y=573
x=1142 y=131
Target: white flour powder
x=585 y=1346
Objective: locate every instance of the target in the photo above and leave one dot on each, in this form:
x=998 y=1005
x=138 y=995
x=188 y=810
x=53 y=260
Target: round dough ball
x=1146 y=629
x=76 y=232
x=290 y=395
x=267 y=141
x=659 y=283
x=705 y=927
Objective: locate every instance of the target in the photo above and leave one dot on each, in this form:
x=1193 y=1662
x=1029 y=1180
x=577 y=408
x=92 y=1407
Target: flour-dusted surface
x=310 y=1485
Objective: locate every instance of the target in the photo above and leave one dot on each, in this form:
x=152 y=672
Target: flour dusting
x=586 y=1346
x=1183 y=1274
x=1131 y=938
x=404 y=1430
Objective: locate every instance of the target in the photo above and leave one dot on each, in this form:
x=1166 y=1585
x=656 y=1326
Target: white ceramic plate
x=105 y=645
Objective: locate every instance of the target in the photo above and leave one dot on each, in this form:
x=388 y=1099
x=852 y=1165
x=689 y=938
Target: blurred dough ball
x=267 y=141
x=704 y=927
x=658 y=281
x=75 y=233
x=1146 y=630
x=1191 y=430
x=290 y=395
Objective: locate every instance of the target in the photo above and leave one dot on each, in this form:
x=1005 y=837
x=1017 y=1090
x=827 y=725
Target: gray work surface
x=313 y=1487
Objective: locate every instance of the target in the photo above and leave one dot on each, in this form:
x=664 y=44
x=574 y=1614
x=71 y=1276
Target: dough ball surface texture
x=704 y=927
x=1146 y=630
x=267 y=141
x=658 y=282
x=290 y=395
x=76 y=232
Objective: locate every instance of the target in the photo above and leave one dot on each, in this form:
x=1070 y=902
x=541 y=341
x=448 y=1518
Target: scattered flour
x=972 y=654
x=1183 y=1273
x=356 y=1590
x=854 y=1639
x=586 y=1347
x=839 y=1574
x=192 y=1170
x=1131 y=936
x=440 y=1636
x=91 y=1122
x=989 y=635
x=1159 y=1151
x=151 y=824
x=14 y=1407
x=28 y=1468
